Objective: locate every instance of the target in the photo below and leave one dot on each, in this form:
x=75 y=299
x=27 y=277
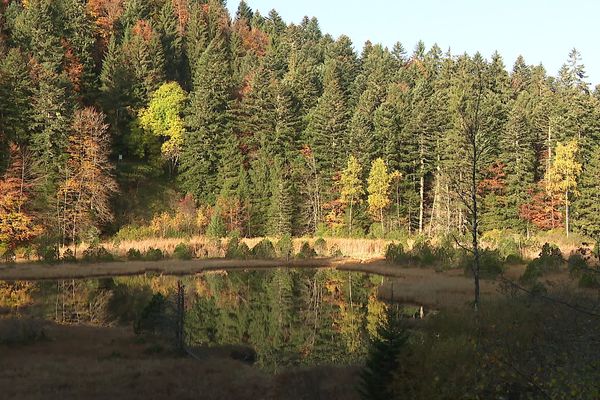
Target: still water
x=288 y=317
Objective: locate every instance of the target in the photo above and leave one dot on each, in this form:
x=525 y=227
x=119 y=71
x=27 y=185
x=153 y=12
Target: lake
x=284 y=317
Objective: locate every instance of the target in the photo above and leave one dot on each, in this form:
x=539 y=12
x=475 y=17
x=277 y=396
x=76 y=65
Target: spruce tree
x=327 y=128
x=587 y=206
x=383 y=358
x=208 y=119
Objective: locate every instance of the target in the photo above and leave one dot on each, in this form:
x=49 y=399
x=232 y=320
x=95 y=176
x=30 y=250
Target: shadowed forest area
x=349 y=221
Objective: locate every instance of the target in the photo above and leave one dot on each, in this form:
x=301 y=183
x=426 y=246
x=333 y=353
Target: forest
x=148 y=117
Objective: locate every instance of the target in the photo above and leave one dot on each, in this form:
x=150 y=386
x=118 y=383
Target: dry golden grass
x=206 y=247
x=81 y=362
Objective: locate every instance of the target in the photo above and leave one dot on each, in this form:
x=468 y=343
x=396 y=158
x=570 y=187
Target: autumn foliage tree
x=379 y=187
x=17 y=224
x=85 y=192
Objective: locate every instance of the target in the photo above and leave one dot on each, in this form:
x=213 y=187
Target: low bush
x=134 y=255
x=183 y=251
x=236 y=249
x=19 y=331
x=577 y=265
x=47 y=250
x=153 y=254
x=549 y=260
x=590 y=279
x=97 y=254
x=320 y=247
x=422 y=252
x=264 y=250
x=490 y=263
x=285 y=247
x=306 y=251
x=334 y=251
x=394 y=253
x=68 y=256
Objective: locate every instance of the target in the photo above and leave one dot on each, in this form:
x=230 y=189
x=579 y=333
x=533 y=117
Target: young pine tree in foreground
x=382 y=360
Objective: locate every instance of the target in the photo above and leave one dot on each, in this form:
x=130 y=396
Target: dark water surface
x=288 y=316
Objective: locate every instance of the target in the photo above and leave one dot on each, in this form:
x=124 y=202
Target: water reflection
x=289 y=317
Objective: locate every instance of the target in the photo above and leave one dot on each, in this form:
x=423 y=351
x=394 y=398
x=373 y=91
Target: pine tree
x=15 y=96
x=327 y=128
x=587 y=206
x=383 y=358
x=208 y=118
x=169 y=30
x=144 y=59
x=281 y=207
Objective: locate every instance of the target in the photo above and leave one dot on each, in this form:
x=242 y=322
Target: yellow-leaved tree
x=163 y=118
x=379 y=187
x=351 y=187
x=561 y=177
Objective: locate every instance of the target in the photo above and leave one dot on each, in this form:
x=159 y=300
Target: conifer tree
x=327 y=128
x=587 y=205
x=208 y=120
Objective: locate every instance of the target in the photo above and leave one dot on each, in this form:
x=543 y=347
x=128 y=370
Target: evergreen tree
x=327 y=128
x=383 y=358
x=208 y=121
x=587 y=205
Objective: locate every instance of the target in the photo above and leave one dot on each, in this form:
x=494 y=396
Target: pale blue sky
x=541 y=30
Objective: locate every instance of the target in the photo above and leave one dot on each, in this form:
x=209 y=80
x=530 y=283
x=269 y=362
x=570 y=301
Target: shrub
x=306 y=251
x=577 y=265
x=153 y=254
x=264 y=250
x=596 y=250
x=216 y=228
x=21 y=331
x=394 y=253
x=183 y=252
x=490 y=263
x=376 y=231
x=47 y=250
x=445 y=253
x=549 y=260
x=285 y=247
x=320 y=247
x=590 y=280
x=134 y=255
x=131 y=232
x=334 y=251
x=97 y=254
x=68 y=256
x=236 y=249
x=422 y=252
x=153 y=318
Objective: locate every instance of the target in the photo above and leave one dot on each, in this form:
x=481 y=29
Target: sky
x=542 y=31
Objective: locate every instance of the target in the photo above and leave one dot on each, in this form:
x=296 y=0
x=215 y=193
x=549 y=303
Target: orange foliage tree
x=17 y=224
x=88 y=184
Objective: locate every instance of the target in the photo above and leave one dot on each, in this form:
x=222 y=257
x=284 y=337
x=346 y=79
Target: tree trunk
x=567 y=212
x=474 y=226
x=350 y=222
x=421 y=195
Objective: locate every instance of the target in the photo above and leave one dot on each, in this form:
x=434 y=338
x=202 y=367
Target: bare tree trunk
x=350 y=222
x=567 y=212
x=421 y=195
x=474 y=227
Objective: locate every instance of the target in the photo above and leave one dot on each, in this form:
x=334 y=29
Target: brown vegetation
x=79 y=362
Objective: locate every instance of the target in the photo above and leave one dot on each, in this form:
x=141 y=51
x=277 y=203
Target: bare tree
x=473 y=103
